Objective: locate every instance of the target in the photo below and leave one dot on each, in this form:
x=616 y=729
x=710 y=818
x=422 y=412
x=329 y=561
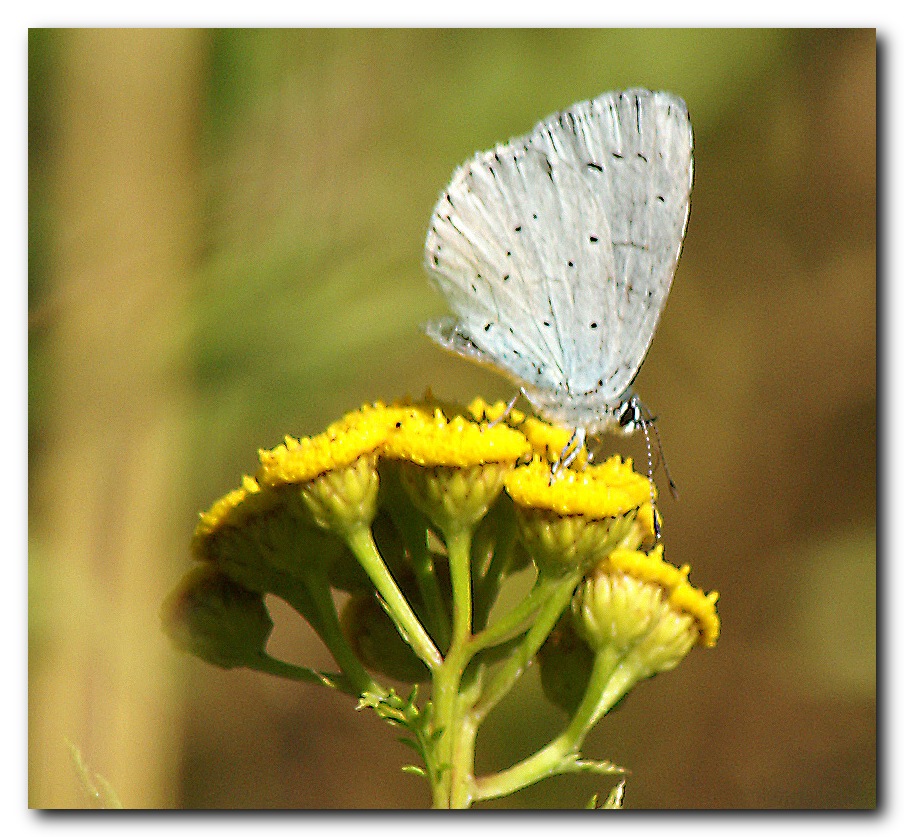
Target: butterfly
x=556 y=252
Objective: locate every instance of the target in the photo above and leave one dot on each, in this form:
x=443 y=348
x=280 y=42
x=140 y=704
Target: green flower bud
x=642 y=608
x=565 y=665
x=212 y=617
x=377 y=643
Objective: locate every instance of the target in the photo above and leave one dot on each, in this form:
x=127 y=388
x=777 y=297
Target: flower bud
x=377 y=642
x=644 y=610
x=565 y=665
x=214 y=618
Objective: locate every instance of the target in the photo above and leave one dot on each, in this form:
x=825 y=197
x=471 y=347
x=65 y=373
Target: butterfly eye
x=629 y=415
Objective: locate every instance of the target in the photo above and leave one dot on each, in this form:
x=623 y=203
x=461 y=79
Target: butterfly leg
x=506 y=412
x=566 y=457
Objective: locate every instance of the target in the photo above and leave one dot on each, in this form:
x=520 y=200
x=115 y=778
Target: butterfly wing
x=504 y=249
x=635 y=149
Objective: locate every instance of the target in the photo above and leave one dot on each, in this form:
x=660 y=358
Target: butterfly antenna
x=644 y=424
x=673 y=489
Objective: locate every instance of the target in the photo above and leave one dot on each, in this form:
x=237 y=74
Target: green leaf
x=616 y=797
x=410 y=743
x=415 y=770
x=605 y=768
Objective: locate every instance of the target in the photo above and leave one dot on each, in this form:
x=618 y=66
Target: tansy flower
x=546 y=440
x=354 y=507
x=579 y=517
x=644 y=609
x=452 y=467
x=335 y=472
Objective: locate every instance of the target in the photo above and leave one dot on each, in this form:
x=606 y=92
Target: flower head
x=643 y=608
x=211 y=616
x=230 y=511
x=357 y=434
x=335 y=472
x=546 y=440
x=579 y=517
x=452 y=466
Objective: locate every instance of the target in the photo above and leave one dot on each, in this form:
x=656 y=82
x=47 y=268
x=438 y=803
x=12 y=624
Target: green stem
x=461 y=780
x=507 y=625
x=486 y=588
x=561 y=754
x=446 y=682
x=597 y=700
x=448 y=720
x=458 y=543
x=280 y=668
x=505 y=677
x=362 y=545
x=412 y=525
x=314 y=595
x=437 y=616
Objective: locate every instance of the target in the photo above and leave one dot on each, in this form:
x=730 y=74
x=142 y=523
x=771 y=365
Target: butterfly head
x=629 y=415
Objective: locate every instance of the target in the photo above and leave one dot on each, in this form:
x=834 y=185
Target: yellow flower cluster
x=453 y=463
x=419 y=510
x=431 y=435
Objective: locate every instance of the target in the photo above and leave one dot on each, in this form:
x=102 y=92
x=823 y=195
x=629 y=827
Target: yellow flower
x=645 y=610
x=579 y=517
x=596 y=492
x=430 y=436
x=484 y=411
x=682 y=596
x=356 y=434
x=452 y=467
x=262 y=538
x=232 y=510
x=335 y=472
x=546 y=440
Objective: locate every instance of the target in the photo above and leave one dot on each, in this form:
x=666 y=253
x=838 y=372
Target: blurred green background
x=225 y=237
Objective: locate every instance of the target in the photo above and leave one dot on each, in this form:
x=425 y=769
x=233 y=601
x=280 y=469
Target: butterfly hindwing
x=502 y=249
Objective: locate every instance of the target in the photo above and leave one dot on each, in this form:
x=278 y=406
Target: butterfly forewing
x=636 y=146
